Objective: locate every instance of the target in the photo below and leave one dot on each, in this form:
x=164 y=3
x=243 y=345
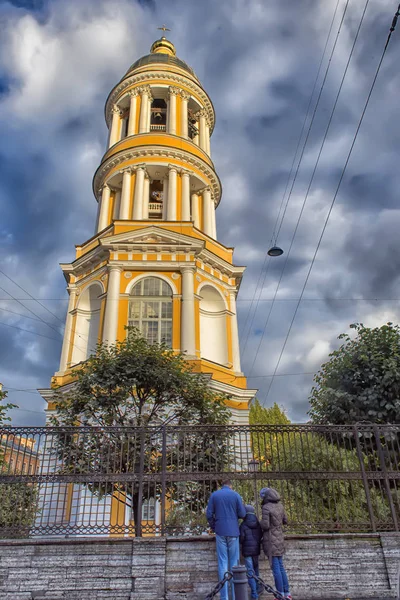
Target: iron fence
x=157 y=480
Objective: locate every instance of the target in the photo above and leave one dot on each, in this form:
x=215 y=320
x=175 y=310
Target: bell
x=275 y=251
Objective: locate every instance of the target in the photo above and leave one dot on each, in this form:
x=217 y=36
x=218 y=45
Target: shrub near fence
x=156 y=481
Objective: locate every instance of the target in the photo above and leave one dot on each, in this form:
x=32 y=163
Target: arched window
x=150 y=310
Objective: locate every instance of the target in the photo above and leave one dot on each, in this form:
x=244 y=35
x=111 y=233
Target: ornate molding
x=135 y=80
x=174 y=91
x=116 y=110
x=133 y=93
x=185 y=95
x=142 y=152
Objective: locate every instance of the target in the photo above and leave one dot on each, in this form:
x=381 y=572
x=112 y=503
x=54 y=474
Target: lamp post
x=254 y=467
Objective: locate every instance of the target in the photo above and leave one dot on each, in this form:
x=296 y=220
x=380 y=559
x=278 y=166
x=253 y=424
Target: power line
x=29 y=331
x=302 y=152
x=312 y=179
x=30 y=295
x=392 y=28
x=32 y=312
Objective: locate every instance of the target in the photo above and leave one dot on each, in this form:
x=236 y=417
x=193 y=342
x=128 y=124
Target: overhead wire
x=327 y=129
x=275 y=235
x=392 y=29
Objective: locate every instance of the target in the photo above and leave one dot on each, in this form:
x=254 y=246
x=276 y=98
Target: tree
x=361 y=381
x=261 y=415
x=18 y=500
x=143 y=386
x=4 y=407
x=313 y=504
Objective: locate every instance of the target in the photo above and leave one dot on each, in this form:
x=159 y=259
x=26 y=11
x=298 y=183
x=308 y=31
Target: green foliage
x=133 y=383
x=4 y=408
x=136 y=384
x=18 y=509
x=261 y=415
x=311 y=503
x=361 y=381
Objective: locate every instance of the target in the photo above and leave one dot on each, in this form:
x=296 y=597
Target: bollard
x=240 y=584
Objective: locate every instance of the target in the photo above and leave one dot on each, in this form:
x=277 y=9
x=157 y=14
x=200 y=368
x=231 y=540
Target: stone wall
x=320 y=567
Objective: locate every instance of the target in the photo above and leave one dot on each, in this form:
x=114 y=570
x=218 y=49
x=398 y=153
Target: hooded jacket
x=250 y=534
x=273 y=518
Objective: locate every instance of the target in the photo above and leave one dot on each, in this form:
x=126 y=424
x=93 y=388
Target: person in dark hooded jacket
x=273 y=519
x=250 y=543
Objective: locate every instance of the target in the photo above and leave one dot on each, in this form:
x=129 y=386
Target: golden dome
x=163 y=46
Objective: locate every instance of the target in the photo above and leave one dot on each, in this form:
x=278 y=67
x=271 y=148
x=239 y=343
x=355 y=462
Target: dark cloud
x=258 y=61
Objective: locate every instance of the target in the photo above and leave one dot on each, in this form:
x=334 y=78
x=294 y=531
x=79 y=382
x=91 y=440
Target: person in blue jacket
x=225 y=508
x=250 y=542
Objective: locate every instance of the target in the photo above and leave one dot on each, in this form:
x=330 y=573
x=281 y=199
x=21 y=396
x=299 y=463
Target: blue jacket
x=224 y=509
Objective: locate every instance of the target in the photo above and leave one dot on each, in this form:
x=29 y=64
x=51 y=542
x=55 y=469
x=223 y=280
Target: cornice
x=141 y=152
x=152 y=76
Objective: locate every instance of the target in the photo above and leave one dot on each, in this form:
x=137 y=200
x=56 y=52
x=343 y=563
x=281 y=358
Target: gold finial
x=163 y=28
x=163 y=45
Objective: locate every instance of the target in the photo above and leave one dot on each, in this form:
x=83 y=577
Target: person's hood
x=269 y=495
x=249 y=508
x=251 y=520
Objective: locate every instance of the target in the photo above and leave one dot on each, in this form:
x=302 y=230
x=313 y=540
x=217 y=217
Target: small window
x=149 y=510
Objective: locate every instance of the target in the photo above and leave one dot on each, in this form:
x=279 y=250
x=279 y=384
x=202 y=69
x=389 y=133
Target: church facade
x=155 y=262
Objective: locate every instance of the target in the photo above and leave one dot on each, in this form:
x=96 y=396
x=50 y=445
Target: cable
x=30 y=295
x=302 y=151
x=28 y=331
x=311 y=181
x=392 y=28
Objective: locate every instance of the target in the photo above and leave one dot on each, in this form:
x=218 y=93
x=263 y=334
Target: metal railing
x=157 y=480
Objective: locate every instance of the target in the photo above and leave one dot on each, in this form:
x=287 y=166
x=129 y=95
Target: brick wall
x=320 y=567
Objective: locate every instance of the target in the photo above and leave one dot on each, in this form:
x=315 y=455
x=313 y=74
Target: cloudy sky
x=258 y=60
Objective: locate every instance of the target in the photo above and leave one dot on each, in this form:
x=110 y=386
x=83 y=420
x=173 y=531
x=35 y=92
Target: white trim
x=86 y=287
x=138 y=278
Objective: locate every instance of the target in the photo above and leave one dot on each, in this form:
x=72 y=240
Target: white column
x=126 y=193
x=115 y=125
x=117 y=204
x=146 y=197
x=208 y=146
x=173 y=92
x=144 y=117
x=195 y=210
x=207 y=226
x=68 y=329
x=185 y=196
x=188 y=337
x=202 y=127
x=234 y=334
x=138 y=196
x=213 y=220
x=171 y=206
x=112 y=305
x=165 y=199
x=104 y=208
x=196 y=137
x=185 y=97
x=132 y=112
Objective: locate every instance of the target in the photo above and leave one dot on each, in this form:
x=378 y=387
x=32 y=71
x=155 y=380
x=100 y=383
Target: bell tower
x=154 y=261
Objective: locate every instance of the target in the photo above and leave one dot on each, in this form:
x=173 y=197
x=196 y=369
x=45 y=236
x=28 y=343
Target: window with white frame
x=150 y=310
x=149 y=510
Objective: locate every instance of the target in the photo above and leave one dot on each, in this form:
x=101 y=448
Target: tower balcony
x=158 y=137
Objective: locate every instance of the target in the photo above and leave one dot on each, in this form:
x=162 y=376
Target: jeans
x=228 y=557
x=251 y=563
x=279 y=573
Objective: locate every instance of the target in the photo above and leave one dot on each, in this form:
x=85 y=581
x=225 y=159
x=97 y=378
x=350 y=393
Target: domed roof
x=162 y=52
